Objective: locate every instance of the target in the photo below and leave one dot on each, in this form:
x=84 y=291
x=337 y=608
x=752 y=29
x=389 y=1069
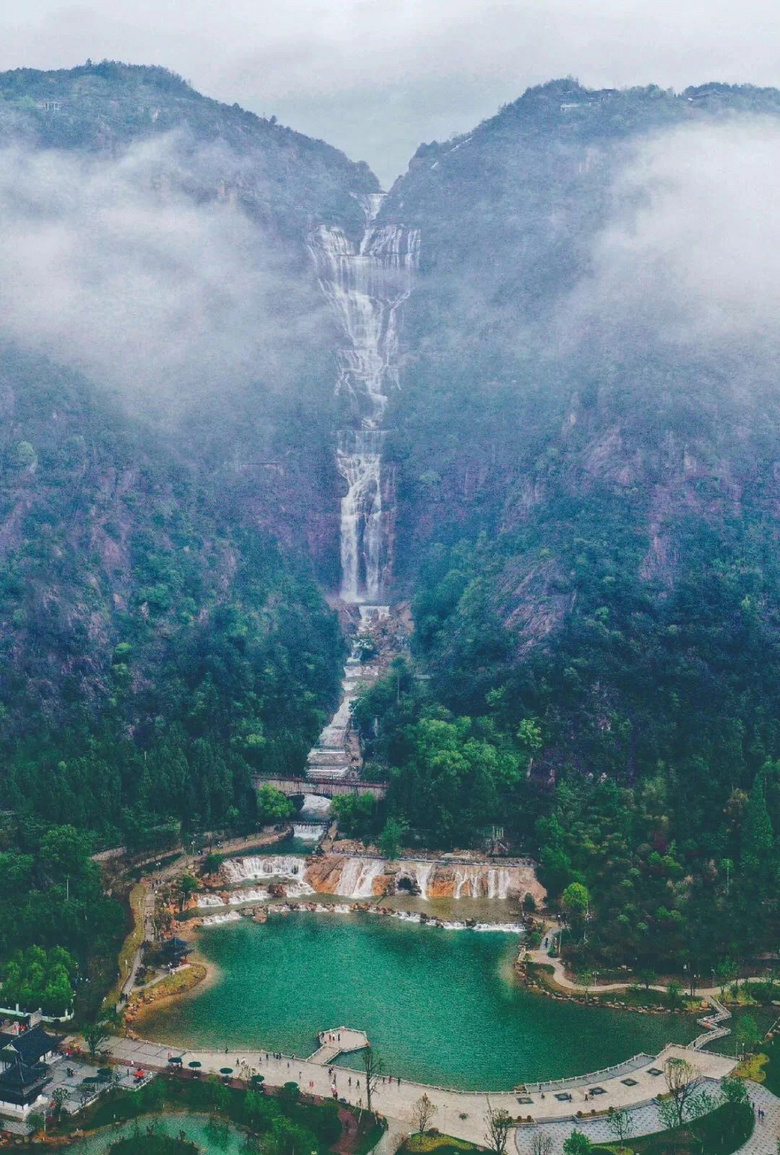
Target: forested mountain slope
x=169 y=494
x=589 y=485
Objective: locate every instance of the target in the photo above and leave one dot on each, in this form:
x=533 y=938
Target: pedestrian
x=349 y=1080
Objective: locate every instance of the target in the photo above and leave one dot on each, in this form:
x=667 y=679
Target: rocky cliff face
x=169 y=491
x=520 y=386
x=582 y=462
x=357 y=877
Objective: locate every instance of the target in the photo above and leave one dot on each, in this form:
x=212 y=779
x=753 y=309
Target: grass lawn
x=434 y=1141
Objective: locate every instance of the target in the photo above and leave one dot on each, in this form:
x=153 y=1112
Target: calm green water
x=222 y=1138
x=439 y=1006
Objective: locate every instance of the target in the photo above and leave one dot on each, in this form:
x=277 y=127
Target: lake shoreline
x=289 y=978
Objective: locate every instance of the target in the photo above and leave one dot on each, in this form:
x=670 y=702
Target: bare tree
x=683 y=1081
x=620 y=1123
x=422 y=1113
x=374 y=1069
x=541 y=1143
x=498 y=1124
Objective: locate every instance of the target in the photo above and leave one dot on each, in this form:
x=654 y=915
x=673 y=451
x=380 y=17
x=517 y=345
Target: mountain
x=531 y=390
x=167 y=506
x=584 y=451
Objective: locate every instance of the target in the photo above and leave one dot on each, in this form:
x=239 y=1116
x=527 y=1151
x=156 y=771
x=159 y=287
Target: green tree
x=620 y=1123
x=757 y=834
x=577 y=1144
x=673 y=993
x=35 y=1122
x=59 y=1097
x=683 y=1082
x=186 y=886
x=747 y=1034
x=498 y=1125
x=95 y=1034
x=575 y=902
x=212 y=863
x=273 y=806
x=390 y=838
x=734 y=1090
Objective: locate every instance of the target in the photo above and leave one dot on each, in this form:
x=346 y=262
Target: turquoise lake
x=439 y=1006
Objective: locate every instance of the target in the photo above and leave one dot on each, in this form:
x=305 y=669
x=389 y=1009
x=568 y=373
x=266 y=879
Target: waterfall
x=486 y=882
x=357 y=877
x=256 y=866
x=366 y=284
x=364 y=529
x=309 y=831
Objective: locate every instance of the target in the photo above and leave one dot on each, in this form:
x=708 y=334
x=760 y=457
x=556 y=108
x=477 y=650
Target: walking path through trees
x=714 y=1023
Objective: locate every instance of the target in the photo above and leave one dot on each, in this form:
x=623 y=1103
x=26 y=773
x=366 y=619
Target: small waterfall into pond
x=253 y=866
x=366 y=283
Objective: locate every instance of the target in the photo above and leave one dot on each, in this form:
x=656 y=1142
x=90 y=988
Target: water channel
x=439 y=1006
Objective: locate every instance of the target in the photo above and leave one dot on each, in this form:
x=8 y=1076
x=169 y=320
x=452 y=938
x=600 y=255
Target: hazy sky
x=376 y=77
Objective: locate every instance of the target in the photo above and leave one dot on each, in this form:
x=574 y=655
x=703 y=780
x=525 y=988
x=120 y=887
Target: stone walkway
x=644 y=1121
x=766 y=1132
x=458 y=1113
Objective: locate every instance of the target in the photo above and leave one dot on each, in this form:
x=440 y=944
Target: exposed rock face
x=353 y=876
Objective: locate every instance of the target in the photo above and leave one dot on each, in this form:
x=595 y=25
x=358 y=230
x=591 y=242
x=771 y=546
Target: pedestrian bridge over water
x=327 y=787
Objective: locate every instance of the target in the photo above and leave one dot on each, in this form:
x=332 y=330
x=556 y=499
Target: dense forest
x=588 y=530
x=584 y=488
x=166 y=507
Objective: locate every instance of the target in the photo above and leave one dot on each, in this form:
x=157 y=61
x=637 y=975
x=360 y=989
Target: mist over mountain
x=579 y=482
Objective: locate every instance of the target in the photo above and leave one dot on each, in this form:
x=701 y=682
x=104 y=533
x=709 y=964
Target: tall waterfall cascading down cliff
x=366 y=284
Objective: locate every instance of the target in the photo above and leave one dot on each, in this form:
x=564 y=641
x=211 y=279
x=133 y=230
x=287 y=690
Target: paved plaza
x=458 y=1113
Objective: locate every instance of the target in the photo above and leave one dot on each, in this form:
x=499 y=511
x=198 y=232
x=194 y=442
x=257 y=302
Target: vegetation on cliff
x=588 y=528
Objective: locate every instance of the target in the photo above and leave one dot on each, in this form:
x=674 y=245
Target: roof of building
x=30 y=1045
x=22 y=1082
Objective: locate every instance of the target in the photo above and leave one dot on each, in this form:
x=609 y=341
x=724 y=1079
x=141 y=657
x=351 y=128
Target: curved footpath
x=458 y=1113
x=542 y=957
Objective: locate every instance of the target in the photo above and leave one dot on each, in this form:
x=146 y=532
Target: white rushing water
x=266 y=866
x=308 y=831
x=357 y=877
x=366 y=283
x=417 y=876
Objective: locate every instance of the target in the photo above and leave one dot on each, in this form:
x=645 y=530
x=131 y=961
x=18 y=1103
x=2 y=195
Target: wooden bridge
x=327 y=787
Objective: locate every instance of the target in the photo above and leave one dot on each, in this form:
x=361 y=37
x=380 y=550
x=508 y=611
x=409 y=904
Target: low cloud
x=692 y=253
x=108 y=267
